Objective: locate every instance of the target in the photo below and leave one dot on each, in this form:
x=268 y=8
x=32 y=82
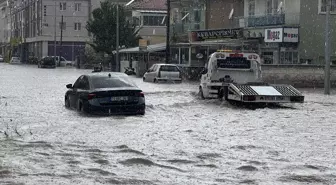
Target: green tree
x=102 y=26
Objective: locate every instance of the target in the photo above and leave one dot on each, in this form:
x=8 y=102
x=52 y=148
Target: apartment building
x=5 y=29
x=38 y=22
x=150 y=18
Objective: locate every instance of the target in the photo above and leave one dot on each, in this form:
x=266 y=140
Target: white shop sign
x=274 y=35
x=291 y=35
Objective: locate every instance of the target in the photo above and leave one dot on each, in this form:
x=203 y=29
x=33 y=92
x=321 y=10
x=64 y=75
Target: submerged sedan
x=105 y=93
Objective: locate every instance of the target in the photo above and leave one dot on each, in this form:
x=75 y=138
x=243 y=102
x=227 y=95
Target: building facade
x=38 y=23
x=282 y=32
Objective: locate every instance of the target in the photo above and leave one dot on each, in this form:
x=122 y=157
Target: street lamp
x=117 y=35
x=327 y=50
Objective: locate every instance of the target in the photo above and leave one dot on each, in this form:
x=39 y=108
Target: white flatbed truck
x=236 y=76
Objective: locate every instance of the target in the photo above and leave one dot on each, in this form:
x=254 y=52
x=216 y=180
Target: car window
x=85 y=83
x=169 y=68
x=77 y=83
x=111 y=82
x=151 y=69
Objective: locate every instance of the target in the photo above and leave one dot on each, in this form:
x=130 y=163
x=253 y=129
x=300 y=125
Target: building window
x=153 y=21
x=269 y=7
x=62 y=26
x=323 y=6
x=62 y=6
x=77 y=7
x=251 y=7
x=78 y=26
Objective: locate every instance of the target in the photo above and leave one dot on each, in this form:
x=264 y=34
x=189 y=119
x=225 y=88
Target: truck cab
x=227 y=66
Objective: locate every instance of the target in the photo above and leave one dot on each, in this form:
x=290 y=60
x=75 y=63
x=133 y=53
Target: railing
x=267 y=20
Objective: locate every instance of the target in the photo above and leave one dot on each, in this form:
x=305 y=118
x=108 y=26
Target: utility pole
x=117 y=42
x=55 y=32
x=168 y=32
x=327 y=50
x=60 y=52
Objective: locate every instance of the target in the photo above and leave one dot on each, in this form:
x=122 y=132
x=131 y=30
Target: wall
x=300 y=76
x=311 y=33
x=292 y=9
x=217 y=14
x=297 y=75
x=70 y=17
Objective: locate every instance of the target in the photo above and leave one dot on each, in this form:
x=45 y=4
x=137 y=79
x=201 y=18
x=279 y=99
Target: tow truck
x=236 y=77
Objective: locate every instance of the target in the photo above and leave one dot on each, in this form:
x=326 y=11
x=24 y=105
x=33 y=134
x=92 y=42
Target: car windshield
x=169 y=68
x=111 y=82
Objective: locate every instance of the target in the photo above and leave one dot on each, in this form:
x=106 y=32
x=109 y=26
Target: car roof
x=101 y=74
x=166 y=65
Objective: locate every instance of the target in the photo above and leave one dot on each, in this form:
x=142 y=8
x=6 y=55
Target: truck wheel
x=200 y=93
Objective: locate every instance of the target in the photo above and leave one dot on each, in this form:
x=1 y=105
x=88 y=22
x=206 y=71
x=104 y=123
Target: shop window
x=184 y=58
x=268 y=57
x=174 y=54
x=289 y=57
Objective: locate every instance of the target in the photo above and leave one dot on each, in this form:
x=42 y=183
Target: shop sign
x=203 y=35
x=274 y=35
x=291 y=35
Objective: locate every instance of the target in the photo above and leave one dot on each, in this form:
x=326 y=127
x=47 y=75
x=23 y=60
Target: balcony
x=268 y=20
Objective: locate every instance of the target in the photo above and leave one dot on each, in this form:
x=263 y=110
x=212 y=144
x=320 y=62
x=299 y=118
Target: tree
x=102 y=26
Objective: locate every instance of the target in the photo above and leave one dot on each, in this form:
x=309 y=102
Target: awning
x=150 y=49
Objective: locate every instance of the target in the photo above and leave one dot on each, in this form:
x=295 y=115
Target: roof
x=113 y=74
x=150 y=48
x=149 y=4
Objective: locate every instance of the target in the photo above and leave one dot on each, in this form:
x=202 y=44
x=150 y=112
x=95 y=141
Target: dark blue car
x=105 y=93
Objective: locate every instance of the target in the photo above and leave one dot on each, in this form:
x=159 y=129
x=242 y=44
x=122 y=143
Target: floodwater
x=180 y=140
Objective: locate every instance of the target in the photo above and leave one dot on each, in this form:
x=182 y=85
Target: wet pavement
x=180 y=140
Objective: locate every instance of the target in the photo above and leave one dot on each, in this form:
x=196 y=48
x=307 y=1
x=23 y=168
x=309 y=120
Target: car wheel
x=67 y=102
x=143 y=79
x=200 y=93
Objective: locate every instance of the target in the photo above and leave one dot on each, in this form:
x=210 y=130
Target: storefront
x=203 y=43
x=280 y=46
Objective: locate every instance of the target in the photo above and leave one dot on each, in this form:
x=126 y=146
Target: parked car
x=163 y=72
x=47 y=62
x=15 y=60
x=64 y=62
x=105 y=93
x=1 y=58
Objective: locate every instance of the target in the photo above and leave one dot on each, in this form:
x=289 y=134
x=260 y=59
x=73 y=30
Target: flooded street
x=180 y=140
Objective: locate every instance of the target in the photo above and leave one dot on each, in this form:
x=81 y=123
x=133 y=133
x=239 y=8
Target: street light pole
x=327 y=50
x=55 y=32
x=117 y=41
x=60 y=51
x=168 y=32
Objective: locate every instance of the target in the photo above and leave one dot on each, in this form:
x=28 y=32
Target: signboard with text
x=291 y=35
x=203 y=35
x=274 y=35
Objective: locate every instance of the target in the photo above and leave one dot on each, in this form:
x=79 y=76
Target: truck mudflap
x=265 y=93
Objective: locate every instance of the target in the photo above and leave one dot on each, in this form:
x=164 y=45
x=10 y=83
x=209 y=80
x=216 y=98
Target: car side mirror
x=69 y=86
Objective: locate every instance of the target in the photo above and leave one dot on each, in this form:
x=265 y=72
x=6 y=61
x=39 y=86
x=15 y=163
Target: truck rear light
x=91 y=96
x=250 y=56
x=236 y=55
x=249 y=98
x=141 y=94
x=255 y=56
